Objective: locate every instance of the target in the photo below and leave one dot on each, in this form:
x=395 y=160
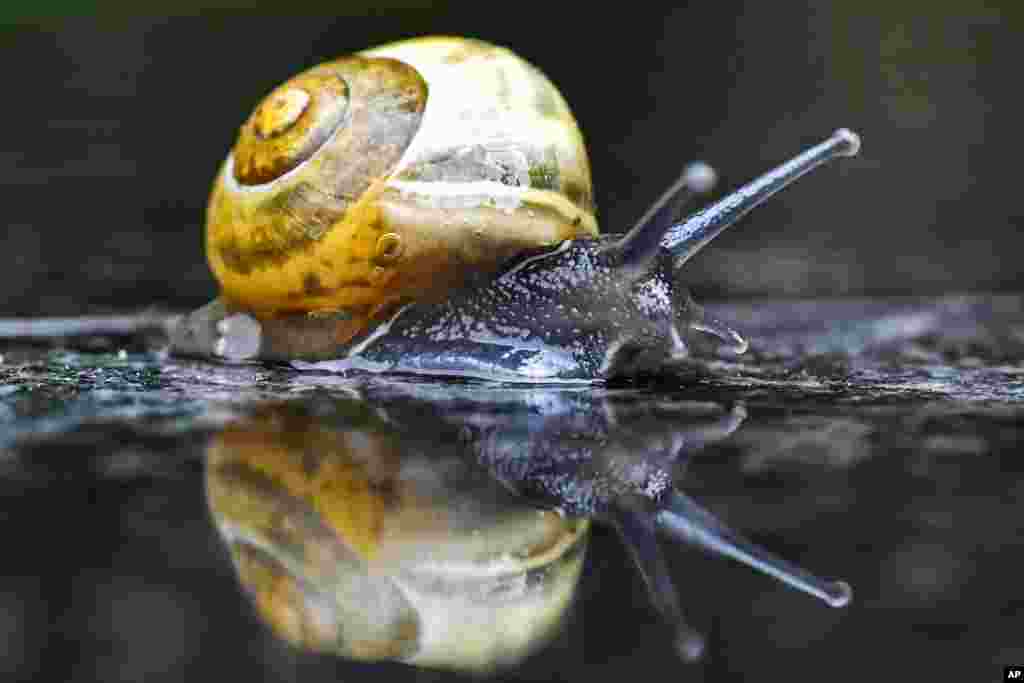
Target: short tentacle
x=697 y=438
x=688 y=442
x=699 y=320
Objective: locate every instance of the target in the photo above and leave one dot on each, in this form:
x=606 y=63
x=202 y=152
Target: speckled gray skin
x=567 y=314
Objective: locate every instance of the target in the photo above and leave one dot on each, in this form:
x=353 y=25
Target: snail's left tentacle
x=639 y=246
x=687 y=521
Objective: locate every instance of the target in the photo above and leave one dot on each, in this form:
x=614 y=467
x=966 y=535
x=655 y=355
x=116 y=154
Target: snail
x=426 y=207
x=445 y=526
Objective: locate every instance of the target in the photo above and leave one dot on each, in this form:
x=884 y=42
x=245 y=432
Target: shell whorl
x=287 y=190
x=290 y=126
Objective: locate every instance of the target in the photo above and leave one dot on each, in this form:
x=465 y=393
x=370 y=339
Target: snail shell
x=394 y=175
x=355 y=543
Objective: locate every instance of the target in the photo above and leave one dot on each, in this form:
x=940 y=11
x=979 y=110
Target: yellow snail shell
x=394 y=175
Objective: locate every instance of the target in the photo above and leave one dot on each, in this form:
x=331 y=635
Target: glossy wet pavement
x=876 y=442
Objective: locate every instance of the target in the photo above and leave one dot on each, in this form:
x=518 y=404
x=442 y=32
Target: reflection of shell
x=349 y=545
x=394 y=175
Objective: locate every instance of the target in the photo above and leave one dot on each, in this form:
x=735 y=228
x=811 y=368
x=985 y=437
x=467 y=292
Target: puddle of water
x=155 y=511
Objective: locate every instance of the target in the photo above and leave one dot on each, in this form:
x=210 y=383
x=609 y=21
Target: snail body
x=426 y=207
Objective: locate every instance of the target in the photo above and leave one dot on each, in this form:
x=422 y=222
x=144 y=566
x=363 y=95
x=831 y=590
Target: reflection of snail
x=395 y=536
x=353 y=543
x=426 y=207
x=613 y=457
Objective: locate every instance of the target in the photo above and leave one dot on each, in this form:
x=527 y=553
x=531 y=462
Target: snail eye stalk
x=639 y=246
x=687 y=238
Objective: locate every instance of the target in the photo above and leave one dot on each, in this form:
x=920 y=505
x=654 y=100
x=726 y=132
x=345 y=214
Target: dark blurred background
x=114 y=125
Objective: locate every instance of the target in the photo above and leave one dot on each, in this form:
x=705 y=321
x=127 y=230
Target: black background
x=114 y=126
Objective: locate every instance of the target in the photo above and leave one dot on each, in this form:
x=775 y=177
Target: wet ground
x=876 y=442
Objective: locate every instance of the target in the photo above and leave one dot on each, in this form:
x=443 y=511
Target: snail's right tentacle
x=687 y=238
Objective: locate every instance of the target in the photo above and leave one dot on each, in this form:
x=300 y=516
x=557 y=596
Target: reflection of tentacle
x=698 y=437
x=689 y=443
x=637 y=529
x=701 y=321
x=687 y=521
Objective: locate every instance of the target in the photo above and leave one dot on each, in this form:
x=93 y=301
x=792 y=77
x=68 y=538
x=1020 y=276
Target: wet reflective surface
x=154 y=510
